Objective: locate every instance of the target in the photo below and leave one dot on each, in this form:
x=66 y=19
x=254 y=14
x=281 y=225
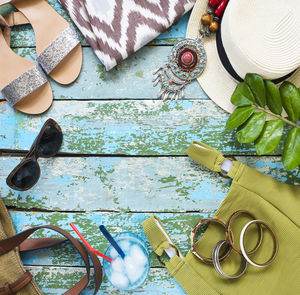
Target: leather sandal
x=22 y=82
x=58 y=46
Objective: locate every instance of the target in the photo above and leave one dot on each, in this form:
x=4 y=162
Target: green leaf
x=270 y=137
x=290 y=96
x=239 y=116
x=257 y=86
x=273 y=97
x=242 y=95
x=291 y=153
x=250 y=130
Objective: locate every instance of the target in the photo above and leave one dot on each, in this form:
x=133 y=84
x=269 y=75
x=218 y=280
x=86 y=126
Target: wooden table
x=129 y=161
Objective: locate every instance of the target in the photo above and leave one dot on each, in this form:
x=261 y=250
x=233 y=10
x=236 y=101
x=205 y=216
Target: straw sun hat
x=258 y=36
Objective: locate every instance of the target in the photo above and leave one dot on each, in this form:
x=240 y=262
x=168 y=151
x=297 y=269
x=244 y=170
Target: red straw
x=88 y=245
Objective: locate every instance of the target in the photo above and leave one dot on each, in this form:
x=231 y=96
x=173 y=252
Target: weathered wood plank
x=114 y=183
x=170 y=184
x=178 y=226
x=53 y=280
x=23 y=36
x=131 y=79
x=127 y=127
x=91 y=184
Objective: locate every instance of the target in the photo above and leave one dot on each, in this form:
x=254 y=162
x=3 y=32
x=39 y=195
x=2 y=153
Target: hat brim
x=215 y=80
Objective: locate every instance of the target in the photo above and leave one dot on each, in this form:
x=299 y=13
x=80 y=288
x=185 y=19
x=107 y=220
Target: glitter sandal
x=58 y=46
x=22 y=82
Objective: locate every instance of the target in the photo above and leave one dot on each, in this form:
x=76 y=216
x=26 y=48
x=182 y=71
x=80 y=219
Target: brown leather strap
x=13 y=288
x=14 y=241
x=34 y=244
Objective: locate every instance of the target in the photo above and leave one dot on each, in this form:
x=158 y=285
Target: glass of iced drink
x=131 y=272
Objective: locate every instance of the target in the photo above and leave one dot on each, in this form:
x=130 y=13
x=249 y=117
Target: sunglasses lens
x=50 y=141
x=26 y=175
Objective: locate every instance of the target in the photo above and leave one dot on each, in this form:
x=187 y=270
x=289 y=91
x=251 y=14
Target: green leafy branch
x=256 y=98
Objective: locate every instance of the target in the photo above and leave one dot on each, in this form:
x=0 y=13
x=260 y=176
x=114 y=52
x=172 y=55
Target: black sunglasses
x=46 y=145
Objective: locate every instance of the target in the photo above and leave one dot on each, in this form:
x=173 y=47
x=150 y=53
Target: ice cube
x=136 y=274
x=113 y=253
x=133 y=271
x=129 y=263
x=138 y=255
x=117 y=265
x=124 y=245
x=119 y=280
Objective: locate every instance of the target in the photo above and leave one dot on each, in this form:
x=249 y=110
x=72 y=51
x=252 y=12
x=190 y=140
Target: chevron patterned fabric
x=117 y=28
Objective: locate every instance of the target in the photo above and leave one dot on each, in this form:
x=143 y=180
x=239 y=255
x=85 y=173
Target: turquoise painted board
x=178 y=226
x=131 y=79
x=126 y=127
x=54 y=280
x=168 y=184
x=89 y=184
x=130 y=160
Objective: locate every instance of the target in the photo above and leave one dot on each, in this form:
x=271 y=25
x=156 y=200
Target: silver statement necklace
x=187 y=59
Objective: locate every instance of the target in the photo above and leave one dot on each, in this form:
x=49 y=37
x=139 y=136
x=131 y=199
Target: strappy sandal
x=22 y=82
x=57 y=43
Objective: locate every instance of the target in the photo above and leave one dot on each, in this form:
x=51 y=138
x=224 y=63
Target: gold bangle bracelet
x=193 y=240
x=229 y=236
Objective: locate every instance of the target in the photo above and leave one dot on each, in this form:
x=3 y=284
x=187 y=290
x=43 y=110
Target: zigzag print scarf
x=117 y=28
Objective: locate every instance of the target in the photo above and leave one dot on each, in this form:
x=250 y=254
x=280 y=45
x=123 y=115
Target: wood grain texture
x=126 y=127
x=178 y=226
x=131 y=79
x=115 y=113
x=163 y=184
x=55 y=281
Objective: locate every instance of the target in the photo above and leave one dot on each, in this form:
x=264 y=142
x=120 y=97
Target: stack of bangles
x=229 y=243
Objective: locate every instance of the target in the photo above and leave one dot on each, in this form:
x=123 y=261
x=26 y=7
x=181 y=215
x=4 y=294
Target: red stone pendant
x=187 y=61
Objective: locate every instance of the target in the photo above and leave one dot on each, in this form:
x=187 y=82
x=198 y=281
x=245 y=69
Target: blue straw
x=108 y=236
